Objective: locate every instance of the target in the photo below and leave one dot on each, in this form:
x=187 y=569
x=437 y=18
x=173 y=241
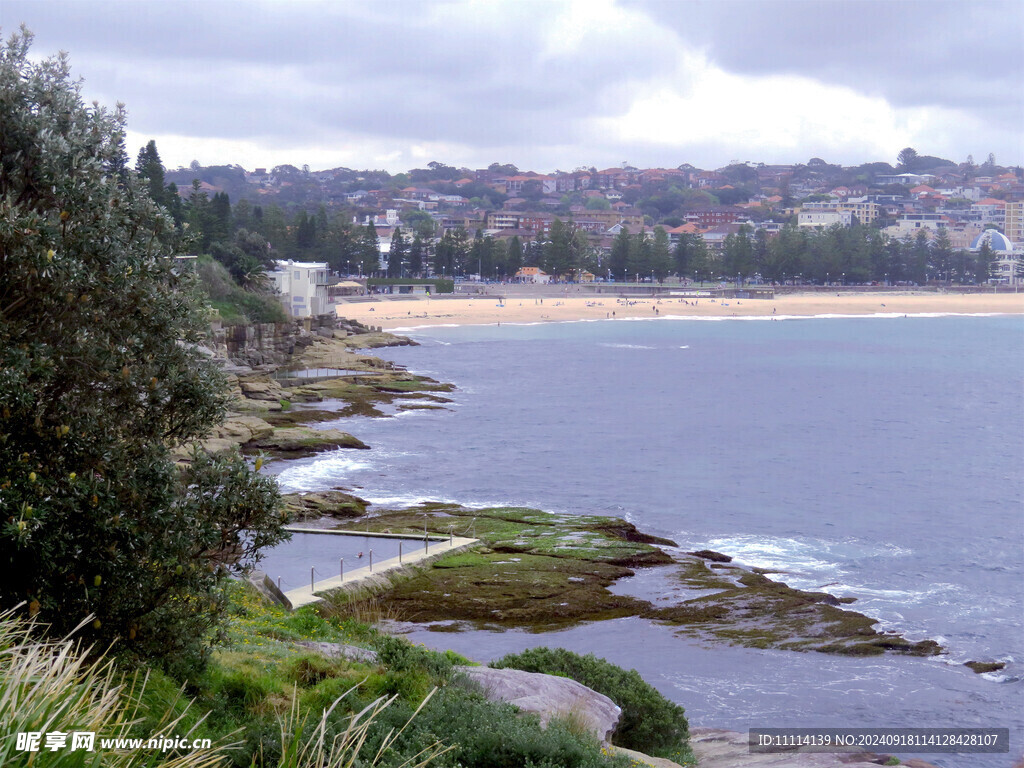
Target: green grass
x=261 y=678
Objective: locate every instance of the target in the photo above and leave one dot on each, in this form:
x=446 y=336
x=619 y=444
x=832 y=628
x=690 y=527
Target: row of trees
x=855 y=254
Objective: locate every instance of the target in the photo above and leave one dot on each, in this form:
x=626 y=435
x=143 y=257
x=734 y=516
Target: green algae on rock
x=540 y=571
x=752 y=610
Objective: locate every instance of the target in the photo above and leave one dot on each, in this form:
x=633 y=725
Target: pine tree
x=369 y=251
x=460 y=250
x=398 y=255
x=661 y=256
x=150 y=168
x=416 y=252
x=983 y=262
x=514 y=261
x=942 y=255
x=618 y=262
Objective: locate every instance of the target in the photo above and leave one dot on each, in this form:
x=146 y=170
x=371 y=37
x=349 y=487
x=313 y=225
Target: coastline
x=711 y=739
x=408 y=313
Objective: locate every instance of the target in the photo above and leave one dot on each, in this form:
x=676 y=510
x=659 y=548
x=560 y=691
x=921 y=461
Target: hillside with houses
x=923 y=220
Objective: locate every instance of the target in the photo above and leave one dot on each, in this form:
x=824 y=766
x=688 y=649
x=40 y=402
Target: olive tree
x=100 y=380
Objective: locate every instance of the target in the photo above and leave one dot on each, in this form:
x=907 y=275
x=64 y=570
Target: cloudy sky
x=547 y=84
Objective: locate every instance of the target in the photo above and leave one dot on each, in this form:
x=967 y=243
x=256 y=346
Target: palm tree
x=251 y=274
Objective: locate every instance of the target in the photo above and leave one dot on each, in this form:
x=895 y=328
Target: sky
x=546 y=84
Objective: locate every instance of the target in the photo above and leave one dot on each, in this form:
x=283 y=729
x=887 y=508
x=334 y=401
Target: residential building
x=515 y=184
x=674 y=233
x=865 y=211
x=990 y=211
x=911 y=223
x=714 y=238
x=823 y=217
x=302 y=287
x=1014 y=226
x=904 y=178
x=712 y=217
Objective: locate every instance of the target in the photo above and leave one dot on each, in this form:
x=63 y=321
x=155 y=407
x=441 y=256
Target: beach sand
x=390 y=313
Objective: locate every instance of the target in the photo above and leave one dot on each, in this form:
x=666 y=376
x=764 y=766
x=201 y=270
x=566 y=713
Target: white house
x=532 y=275
x=910 y=223
x=302 y=287
x=824 y=218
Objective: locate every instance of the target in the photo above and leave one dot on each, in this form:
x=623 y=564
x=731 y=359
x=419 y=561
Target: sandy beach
x=390 y=313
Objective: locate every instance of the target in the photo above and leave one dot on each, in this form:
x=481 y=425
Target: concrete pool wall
x=415 y=551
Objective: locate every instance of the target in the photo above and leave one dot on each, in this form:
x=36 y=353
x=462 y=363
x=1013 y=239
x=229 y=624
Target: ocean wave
x=774 y=553
x=326 y=471
x=625 y=346
x=406 y=499
x=425 y=329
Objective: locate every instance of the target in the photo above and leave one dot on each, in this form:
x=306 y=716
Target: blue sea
x=880 y=458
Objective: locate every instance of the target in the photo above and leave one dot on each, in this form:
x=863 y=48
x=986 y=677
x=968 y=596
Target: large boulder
x=242 y=429
x=340 y=651
x=262 y=390
x=548 y=696
x=306 y=440
x=334 y=503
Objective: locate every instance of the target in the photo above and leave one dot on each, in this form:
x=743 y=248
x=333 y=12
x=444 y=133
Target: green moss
x=539 y=571
x=747 y=608
x=520 y=530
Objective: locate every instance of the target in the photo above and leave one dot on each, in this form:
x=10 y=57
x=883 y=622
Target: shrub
x=235 y=305
x=100 y=378
x=399 y=655
x=487 y=734
x=650 y=723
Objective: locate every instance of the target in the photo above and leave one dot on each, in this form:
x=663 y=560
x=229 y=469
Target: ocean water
x=877 y=457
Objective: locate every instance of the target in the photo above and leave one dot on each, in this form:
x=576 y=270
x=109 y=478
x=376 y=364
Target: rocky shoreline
x=270 y=410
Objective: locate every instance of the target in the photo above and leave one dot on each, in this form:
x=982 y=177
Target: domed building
x=1006 y=266
x=997 y=241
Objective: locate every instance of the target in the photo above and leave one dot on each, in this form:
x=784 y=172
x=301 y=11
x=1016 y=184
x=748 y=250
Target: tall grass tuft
x=343 y=749
x=50 y=686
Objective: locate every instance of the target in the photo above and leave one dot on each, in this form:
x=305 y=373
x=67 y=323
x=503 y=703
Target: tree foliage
x=99 y=379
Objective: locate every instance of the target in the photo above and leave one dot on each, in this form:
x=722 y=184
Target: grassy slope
x=252 y=678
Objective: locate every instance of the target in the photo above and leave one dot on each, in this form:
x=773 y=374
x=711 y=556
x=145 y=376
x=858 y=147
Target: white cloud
x=540 y=83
